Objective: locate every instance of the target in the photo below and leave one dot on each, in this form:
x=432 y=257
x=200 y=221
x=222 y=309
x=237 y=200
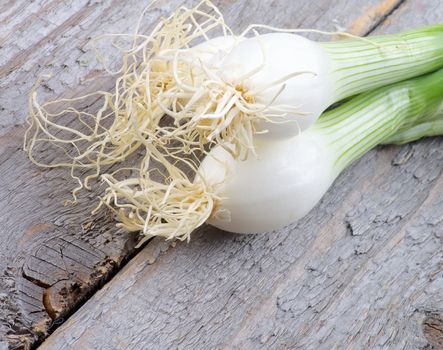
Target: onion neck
x=369 y=63
x=357 y=126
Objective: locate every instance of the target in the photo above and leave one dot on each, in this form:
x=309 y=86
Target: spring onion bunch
x=192 y=101
x=289 y=176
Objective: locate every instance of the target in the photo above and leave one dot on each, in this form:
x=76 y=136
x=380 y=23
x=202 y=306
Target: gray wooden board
x=362 y=270
x=53 y=257
x=363 y=267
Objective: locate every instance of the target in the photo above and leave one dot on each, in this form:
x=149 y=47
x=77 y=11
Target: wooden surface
x=363 y=270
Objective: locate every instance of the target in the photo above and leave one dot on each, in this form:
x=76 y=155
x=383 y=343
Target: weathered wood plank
x=367 y=278
x=363 y=270
x=53 y=257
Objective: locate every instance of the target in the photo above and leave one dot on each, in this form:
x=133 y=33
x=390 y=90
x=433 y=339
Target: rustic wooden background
x=362 y=270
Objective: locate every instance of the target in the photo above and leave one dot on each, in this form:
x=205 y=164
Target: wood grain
x=52 y=257
x=363 y=270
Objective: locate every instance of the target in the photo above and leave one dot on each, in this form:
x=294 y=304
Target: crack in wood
x=432 y=327
x=385 y=16
x=374 y=16
x=36 y=281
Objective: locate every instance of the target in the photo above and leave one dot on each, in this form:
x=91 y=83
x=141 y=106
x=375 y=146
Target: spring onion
x=291 y=80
